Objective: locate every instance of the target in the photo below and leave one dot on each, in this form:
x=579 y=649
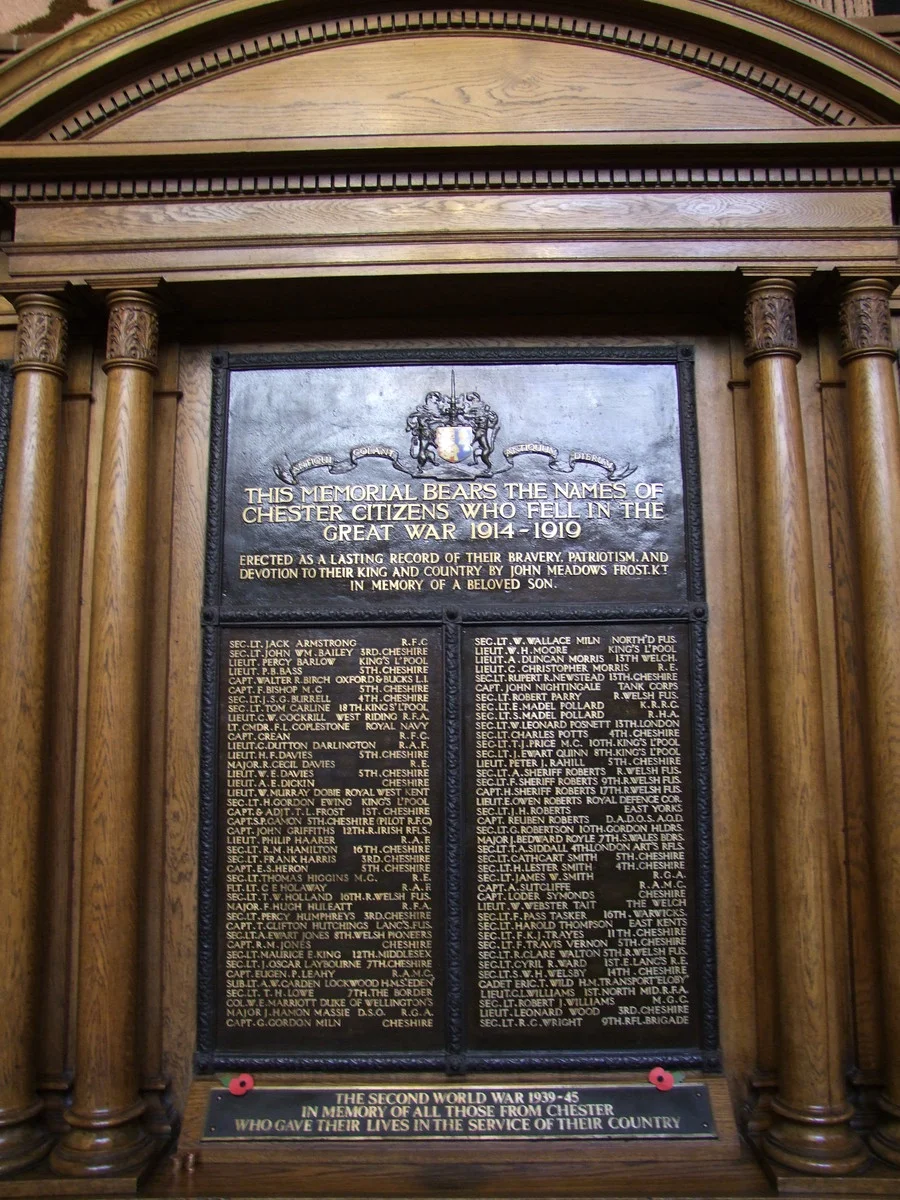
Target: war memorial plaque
x=331 y=842
x=456 y=793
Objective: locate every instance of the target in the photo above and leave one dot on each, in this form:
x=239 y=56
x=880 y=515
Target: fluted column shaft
x=105 y=1133
x=874 y=427
x=810 y=1129
x=25 y=574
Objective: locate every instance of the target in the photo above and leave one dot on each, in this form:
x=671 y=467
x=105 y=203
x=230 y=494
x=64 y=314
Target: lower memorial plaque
x=485 y=1112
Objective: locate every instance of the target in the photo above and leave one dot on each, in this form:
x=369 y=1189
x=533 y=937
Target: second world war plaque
x=456 y=794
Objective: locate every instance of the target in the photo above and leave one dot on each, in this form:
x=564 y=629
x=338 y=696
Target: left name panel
x=330 y=819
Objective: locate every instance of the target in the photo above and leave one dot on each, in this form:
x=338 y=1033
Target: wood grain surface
x=26 y=572
x=874 y=425
x=451 y=84
x=60 y=838
x=397 y=216
x=103 y=1134
x=179 y=962
x=153 y=833
x=810 y=1129
x=733 y=801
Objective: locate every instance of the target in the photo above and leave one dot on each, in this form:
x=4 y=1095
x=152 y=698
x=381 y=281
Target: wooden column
x=810 y=1128
x=874 y=425
x=106 y=1134
x=25 y=561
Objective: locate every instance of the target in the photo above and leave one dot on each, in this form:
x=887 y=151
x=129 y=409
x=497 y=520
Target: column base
x=759 y=1111
x=105 y=1145
x=57 y=1095
x=160 y=1117
x=814 y=1142
x=885 y=1139
x=24 y=1139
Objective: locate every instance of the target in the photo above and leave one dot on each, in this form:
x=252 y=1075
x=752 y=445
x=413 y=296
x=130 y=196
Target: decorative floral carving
x=866 y=319
x=41 y=335
x=770 y=324
x=133 y=331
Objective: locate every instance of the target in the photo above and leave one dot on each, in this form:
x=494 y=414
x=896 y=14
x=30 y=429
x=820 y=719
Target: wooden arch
x=128 y=57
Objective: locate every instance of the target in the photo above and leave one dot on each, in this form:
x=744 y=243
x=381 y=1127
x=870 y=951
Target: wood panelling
x=66 y=666
x=835 y=875
x=397 y=216
x=446 y=83
x=490 y=178
x=182 y=718
x=787 y=46
x=757 y=847
x=733 y=810
x=734 y=807
x=159 y=553
x=857 y=921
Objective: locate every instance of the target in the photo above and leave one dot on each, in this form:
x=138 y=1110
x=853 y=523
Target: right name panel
x=579 y=824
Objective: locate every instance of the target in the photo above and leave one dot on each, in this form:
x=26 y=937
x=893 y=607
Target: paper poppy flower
x=662 y=1079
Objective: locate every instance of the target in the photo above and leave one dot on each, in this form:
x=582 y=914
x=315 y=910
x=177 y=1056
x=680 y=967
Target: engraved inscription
x=466 y=483
x=330 y=825
x=582 y=844
x=410 y=1112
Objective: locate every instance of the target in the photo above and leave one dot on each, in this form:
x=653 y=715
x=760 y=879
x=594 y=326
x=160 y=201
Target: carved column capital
x=866 y=319
x=42 y=335
x=770 y=322
x=132 y=335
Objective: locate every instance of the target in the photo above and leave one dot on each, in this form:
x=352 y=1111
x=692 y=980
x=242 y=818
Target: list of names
x=581 y=832
x=328 y=837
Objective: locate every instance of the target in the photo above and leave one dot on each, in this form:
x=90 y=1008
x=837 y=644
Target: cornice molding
x=598 y=179
x=50 y=78
x=504 y=179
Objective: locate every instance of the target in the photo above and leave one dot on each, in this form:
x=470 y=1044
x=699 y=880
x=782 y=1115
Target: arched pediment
x=452 y=81
x=157 y=70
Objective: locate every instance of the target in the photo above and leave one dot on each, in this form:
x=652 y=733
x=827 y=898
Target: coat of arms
x=451 y=437
x=457 y=429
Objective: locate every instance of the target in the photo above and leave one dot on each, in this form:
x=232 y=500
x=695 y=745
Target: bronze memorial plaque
x=456 y=769
x=485 y=1112
x=331 y=842
x=579 y=849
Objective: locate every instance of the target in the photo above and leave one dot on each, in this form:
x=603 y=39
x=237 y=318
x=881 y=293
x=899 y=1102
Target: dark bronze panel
x=486 y=572
x=579 y=786
x=465 y=481
x=416 y=1113
x=330 y=839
